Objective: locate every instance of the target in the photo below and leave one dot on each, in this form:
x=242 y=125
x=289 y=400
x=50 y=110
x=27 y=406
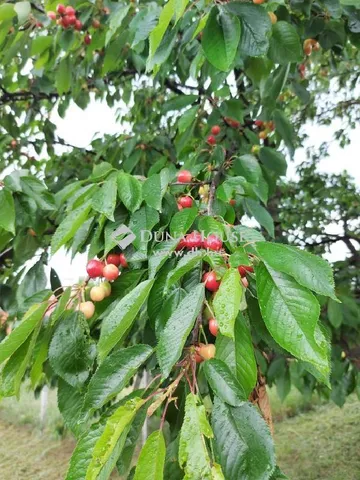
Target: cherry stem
x=164 y=413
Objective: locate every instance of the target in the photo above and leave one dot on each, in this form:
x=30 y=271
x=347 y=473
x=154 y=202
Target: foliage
x=180 y=69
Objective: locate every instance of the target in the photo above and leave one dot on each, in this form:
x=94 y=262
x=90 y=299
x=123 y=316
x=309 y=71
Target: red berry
x=211 y=140
x=206 y=351
x=244 y=269
x=71 y=19
x=212 y=242
x=211 y=283
x=193 y=240
x=245 y=282
x=70 y=11
x=184 y=176
x=95 y=268
x=182 y=244
x=185 y=202
x=61 y=9
x=65 y=21
x=123 y=261
x=213 y=327
x=87 y=39
x=96 y=23
x=113 y=259
x=78 y=25
x=259 y=123
x=232 y=202
x=215 y=130
x=111 y=272
x=52 y=15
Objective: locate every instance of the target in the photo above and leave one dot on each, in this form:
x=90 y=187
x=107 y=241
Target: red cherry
x=71 y=19
x=213 y=327
x=111 y=272
x=211 y=140
x=245 y=282
x=193 y=240
x=244 y=269
x=78 y=25
x=95 y=268
x=123 y=261
x=232 y=202
x=212 y=242
x=185 y=202
x=206 y=351
x=113 y=259
x=61 y=9
x=259 y=123
x=184 y=176
x=198 y=358
x=51 y=15
x=65 y=21
x=70 y=11
x=87 y=39
x=182 y=244
x=96 y=23
x=211 y=283
x=215 y=130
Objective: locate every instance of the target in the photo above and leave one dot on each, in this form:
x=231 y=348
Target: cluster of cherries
x=311 y=45
x=110 y=272
x=211 y=139
x=196 y=240
x=265 y=128
x=66 y=18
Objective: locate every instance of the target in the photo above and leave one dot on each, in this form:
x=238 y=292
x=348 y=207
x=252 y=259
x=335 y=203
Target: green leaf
x=157 y=34
x=242 y=441
x=7 y=208
x=104 y=200
x=141 y=224
x=151 y=461
x=63 y=76
x=247 y=166
x=238 y=354
x=290 y=313
x=7 y=11
x=247 y=234
x=116 y=325
x=70 y=403
x=309 y=270
x=144 y=22
x=23 y=10
x=18 y=336
x=193 y=454
x=33 y=282
x=335 y=313
x=71 y=354
x=239 y=257
x=187 y=263
x=261 y=215
x=223 y=383
x=285 y=130
x=129 y=191
x=179 y=102
x=116 y=18
x=273 y=160
x=69 y=226
x=153 y=190
x=285 y=46
x=208 y=225
x=40 y=44
x=227 y=302
x=118 y=423
x=221 y=38
x=256 y=27
x=182 y=221
x=178 y=327
x=114 y=374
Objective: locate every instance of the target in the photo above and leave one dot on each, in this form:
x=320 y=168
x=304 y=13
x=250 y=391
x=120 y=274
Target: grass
x=314 y=441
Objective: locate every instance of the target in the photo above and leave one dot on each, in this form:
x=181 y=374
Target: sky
x=79 y=127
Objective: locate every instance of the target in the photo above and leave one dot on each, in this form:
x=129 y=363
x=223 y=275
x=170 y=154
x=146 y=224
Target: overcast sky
x=79 y=127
